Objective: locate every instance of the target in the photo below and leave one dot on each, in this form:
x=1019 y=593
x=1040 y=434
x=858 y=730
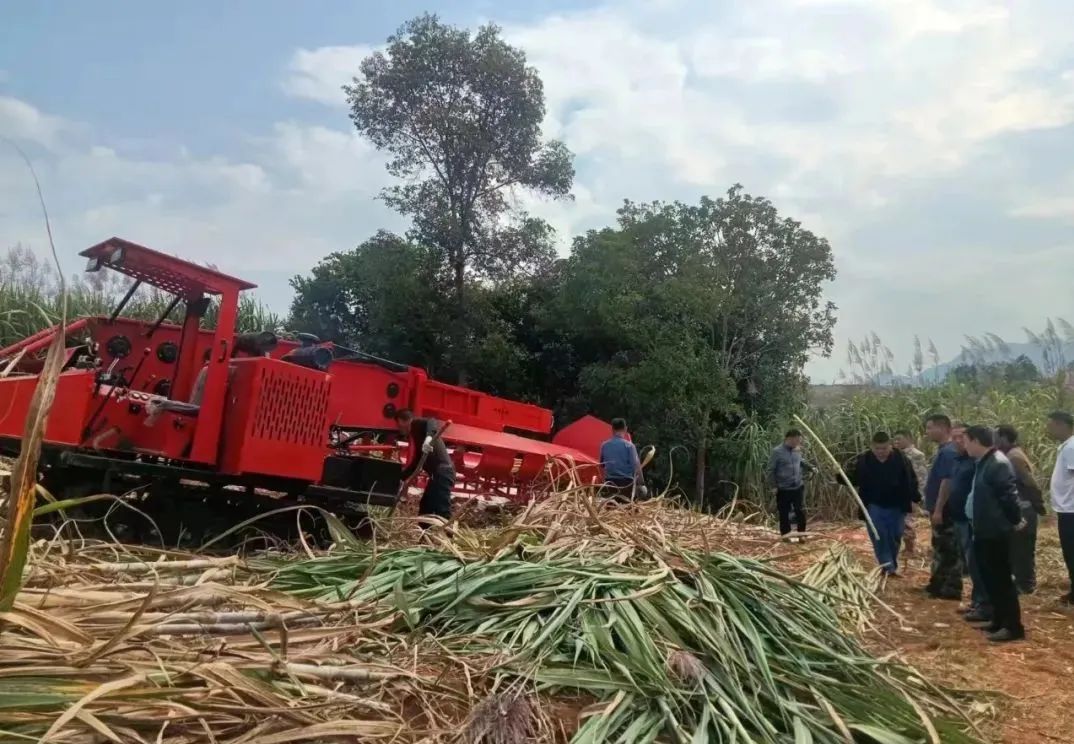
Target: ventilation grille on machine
x=292 y=407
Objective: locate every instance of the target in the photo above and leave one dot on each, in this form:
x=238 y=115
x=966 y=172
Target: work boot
x=977 y=615
x=1004 y=635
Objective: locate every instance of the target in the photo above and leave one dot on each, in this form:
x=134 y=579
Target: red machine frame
x=164 y=402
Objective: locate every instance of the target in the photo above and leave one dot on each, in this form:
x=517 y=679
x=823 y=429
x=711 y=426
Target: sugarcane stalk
x=405 y=485
x=340 y=673
x=835 y=463
x=139 y=567
x=184 y=629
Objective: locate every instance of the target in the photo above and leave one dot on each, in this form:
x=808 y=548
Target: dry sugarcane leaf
x=332 y=729
x=100 y=691
x=47 y=627
x=15 y=541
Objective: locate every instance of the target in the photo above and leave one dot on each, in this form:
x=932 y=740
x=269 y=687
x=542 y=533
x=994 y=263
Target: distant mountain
x=1034 y=352
x=991 y=355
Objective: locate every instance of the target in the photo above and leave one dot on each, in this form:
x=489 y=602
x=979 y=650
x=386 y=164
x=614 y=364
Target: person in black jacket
x=992 y=507
x=439 y=470
x=888 y=487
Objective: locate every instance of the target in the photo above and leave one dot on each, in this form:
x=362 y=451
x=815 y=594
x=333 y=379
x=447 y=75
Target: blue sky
x=932 y=141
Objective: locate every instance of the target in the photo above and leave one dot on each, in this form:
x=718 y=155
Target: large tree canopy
x=460 y=115
x=386 y=296
x=688 y=317
x=683 y=318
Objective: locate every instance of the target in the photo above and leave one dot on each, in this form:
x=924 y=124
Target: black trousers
x=787 y=499
x=619 y=489
x=994 y=562
x=1066 y=540
x=436 y=499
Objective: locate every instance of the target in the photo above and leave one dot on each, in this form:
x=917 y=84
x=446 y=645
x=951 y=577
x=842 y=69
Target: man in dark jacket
x=440 y=472
x=980 y=607
x=1031 y=501
x=992 y=508
x=886 y=482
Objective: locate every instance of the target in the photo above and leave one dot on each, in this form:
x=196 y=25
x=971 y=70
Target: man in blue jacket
x=993 y=510
x=620 y=463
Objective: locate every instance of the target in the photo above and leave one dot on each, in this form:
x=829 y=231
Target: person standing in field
x=888 y=487
x=1031 y=502
x=620 y=462
x=1061 y=429
x=945 y=576
x=993 y=511
x=980 y=606
x=785 y=473
x=439 y=470
x=904 y=442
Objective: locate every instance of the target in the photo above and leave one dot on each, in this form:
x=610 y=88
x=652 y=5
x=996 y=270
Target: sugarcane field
x=568 y=372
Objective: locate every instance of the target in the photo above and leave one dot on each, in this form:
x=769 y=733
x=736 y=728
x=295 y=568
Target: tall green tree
x=460 y=114
x=693 y=316
x=388 y=297
x=385 y=297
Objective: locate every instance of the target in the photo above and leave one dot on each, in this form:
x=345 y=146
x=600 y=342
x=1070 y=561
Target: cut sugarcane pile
x=577 y=621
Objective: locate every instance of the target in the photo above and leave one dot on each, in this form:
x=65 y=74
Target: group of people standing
x=981 y=498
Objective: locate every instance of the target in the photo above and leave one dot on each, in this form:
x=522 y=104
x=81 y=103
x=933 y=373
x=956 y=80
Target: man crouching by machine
x=428 y=451
x=623 y=475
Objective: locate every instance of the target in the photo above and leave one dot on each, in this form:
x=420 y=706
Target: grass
x=31 y=300
x=574 y=621
x=847 y=426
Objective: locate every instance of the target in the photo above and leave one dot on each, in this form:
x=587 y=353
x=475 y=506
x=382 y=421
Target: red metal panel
x=277 y=420
x=470 y=407
x=211 y=417
x=70 y=410
x=585 y=435
x=365 y=395
x=530 y=467
x=124 y=423
x=487 y=440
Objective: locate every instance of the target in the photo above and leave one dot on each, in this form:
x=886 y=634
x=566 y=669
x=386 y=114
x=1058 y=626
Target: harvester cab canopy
x=173 y=275
x=203 y=379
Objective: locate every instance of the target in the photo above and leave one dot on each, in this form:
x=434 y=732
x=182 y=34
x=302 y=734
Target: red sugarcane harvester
x=203 y=428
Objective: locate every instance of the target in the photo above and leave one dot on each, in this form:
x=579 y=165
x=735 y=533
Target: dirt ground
x=1029 y=683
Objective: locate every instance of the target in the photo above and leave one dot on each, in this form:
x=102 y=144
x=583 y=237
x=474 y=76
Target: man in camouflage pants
x=904 y=442
x=945 y=578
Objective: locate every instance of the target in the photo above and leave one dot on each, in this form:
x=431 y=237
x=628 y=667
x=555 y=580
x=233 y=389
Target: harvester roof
x=171 y=274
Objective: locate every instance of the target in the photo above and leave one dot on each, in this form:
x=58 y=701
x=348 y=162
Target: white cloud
x=320 y=74
x=22 y=122
x=306 y=191
x=845 y=112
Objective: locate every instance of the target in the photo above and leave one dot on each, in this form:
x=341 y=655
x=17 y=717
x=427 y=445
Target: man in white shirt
x=1061 y=429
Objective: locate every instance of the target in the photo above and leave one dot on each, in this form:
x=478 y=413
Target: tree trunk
x=460 y=331
x=699 y=472
x=700 y=460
